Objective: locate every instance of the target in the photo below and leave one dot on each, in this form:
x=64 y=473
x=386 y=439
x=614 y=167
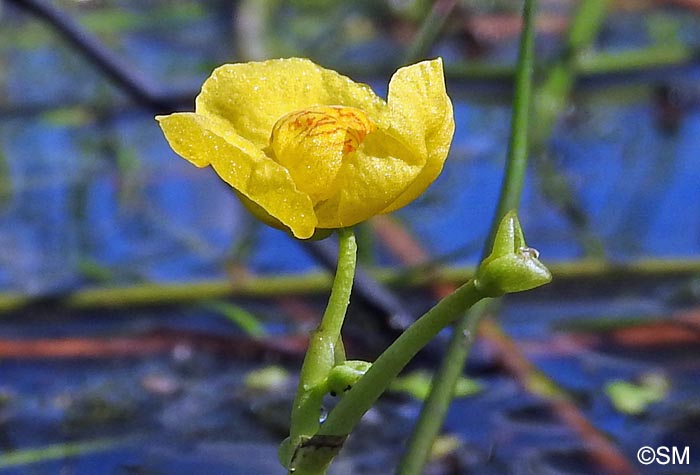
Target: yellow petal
x=421 y=113
x=369 y=181
x=251 y=97
x=204 y=140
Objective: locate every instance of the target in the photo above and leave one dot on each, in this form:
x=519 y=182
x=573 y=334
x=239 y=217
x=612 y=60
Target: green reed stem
x=650 y=57
x=442 y=390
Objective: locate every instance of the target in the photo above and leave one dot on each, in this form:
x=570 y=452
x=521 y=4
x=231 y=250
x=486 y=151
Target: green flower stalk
x=325 y=351
x=511 y=267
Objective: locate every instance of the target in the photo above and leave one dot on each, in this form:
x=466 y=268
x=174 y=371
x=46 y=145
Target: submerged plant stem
x=551 y=99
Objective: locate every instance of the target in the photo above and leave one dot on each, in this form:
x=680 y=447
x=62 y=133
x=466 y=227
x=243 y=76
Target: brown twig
x=155 y=342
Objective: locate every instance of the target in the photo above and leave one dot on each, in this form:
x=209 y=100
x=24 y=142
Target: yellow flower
x=308 y=149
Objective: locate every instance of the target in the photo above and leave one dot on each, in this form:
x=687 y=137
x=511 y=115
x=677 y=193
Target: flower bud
x=512 y=266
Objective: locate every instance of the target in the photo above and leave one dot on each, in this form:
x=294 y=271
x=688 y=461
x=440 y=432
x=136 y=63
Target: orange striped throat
x=312 y=143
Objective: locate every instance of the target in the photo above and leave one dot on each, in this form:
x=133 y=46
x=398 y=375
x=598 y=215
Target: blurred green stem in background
x=17 y=458
x=156 y=294
x=432 y=26
x=552 y=96
x=435 y=408
x=551 y=99
x=242 y=318
x=6 y=188
x=588 y=64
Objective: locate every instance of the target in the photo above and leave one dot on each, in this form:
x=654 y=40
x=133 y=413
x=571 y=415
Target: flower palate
x=306 y=148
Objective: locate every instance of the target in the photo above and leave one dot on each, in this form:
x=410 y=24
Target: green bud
x=512 y=266
x=343 y=376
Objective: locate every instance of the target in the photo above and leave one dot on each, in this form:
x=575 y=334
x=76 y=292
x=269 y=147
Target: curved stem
x=322 y=352
x=313 y=456
x=369 y=387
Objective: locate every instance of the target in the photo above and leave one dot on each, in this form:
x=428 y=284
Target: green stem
x=442 y=389
x=587 y=64
x=312 y=456
x=321 y=355
x=441 y=394
x=369 y=387
x=6 y=185
x=516 y=164
x=553 y=94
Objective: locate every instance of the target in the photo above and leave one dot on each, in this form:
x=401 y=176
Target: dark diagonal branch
x=120 y=72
